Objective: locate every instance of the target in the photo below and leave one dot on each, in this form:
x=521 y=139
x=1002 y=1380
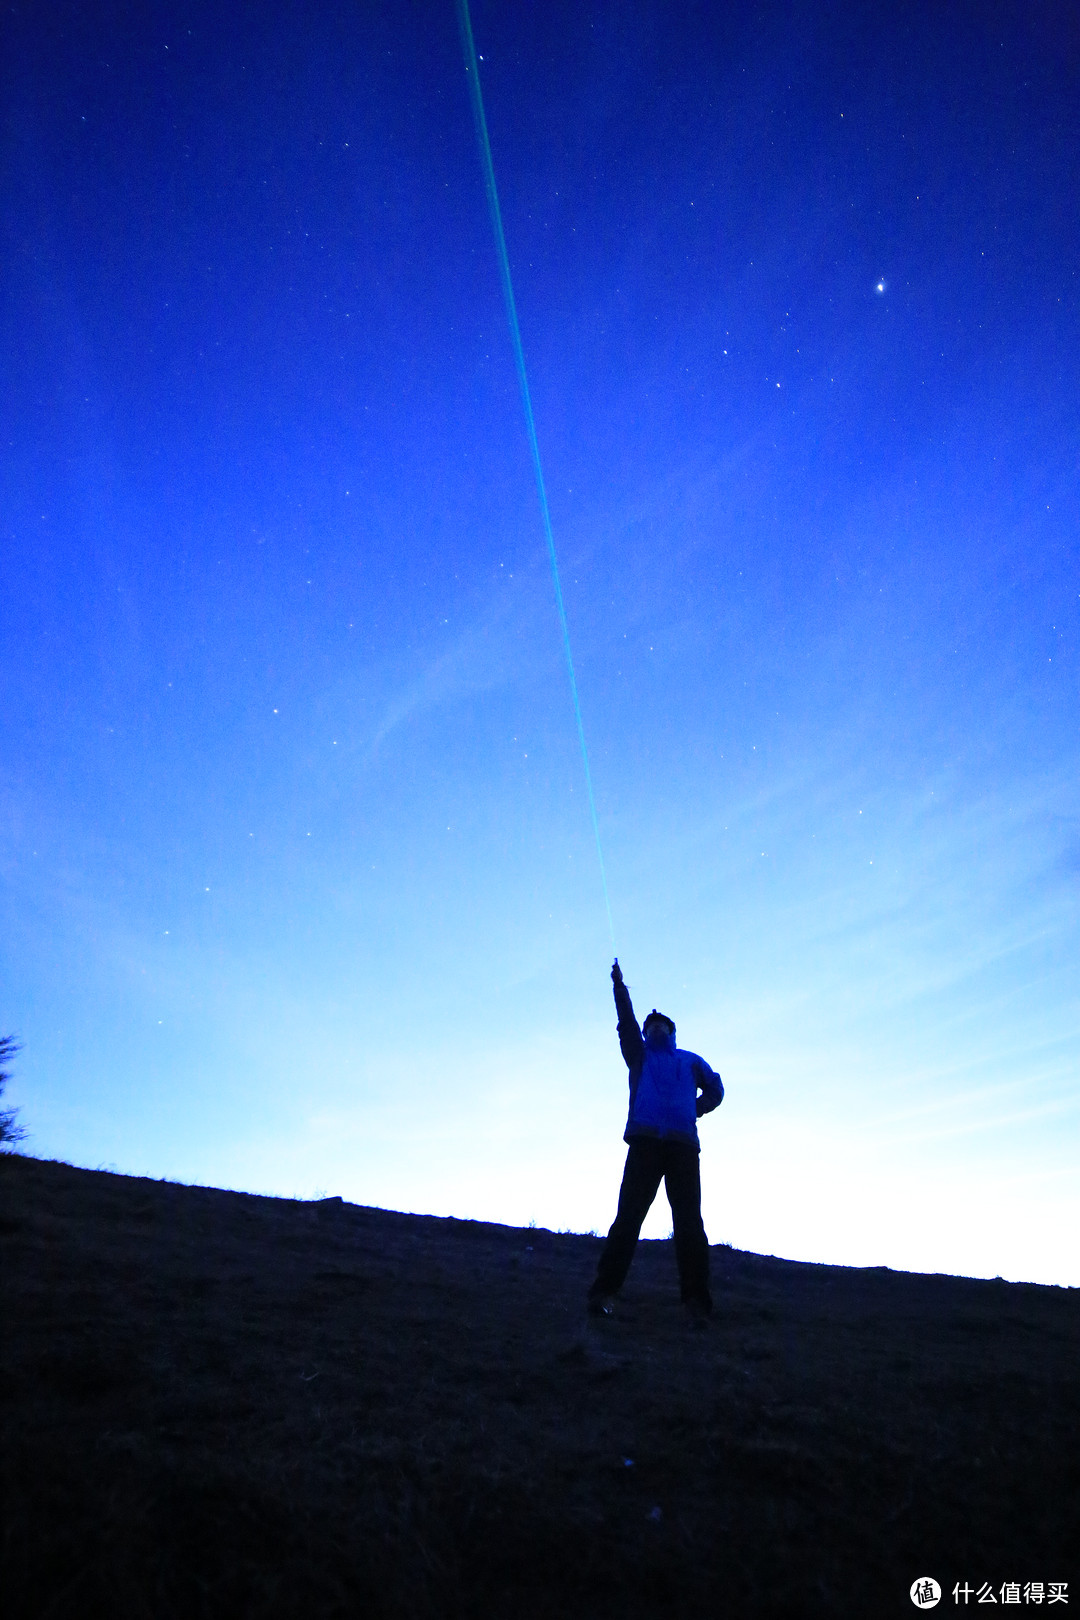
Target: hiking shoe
x=601 y=1305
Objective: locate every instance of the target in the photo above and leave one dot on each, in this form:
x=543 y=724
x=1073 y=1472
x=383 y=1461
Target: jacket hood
x=661 y=1038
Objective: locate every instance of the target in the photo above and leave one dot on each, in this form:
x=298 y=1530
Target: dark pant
x=647 y=1161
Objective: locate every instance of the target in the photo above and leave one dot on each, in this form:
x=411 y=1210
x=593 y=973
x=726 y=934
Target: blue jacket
x=664 y=1082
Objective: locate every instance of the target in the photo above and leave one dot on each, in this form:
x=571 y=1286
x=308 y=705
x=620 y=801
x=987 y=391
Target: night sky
x=300 y=892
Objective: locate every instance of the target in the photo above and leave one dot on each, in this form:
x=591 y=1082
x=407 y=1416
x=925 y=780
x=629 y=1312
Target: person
x=669 y=1091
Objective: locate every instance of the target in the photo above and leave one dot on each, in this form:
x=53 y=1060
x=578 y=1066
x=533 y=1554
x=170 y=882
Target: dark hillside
x=224 y=1406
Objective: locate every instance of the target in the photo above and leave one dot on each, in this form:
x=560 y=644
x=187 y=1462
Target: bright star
x=880 y=287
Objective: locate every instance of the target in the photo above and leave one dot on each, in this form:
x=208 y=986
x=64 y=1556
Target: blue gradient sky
x=299 y=887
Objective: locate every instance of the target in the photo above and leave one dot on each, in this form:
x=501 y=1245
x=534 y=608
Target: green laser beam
x=472 y=69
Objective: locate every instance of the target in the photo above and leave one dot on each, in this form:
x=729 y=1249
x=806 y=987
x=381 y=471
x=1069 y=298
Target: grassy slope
x=222 y=1405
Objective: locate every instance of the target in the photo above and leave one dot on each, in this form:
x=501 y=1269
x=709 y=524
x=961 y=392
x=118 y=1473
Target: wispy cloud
x=498 y=645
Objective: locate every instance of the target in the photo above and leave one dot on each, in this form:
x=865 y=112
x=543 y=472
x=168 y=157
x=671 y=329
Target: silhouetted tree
x=10 y=1129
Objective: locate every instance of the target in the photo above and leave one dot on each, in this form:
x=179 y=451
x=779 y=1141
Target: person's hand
x=616 y=973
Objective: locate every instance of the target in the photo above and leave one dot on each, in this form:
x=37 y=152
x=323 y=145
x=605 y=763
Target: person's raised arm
x=630 y=1037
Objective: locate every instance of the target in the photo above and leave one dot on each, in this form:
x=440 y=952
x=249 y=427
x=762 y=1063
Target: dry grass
x=218 y=1405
